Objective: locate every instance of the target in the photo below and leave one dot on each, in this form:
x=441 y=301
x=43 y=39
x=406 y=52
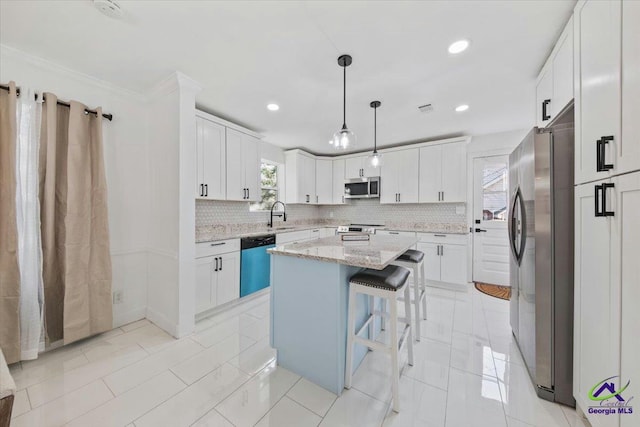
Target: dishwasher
x=255 y=263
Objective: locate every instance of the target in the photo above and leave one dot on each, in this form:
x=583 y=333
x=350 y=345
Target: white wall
x=498 y=143
x=125 y=144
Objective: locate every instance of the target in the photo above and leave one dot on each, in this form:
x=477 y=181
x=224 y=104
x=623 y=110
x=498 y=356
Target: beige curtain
x=9 y=272
x=75 y=232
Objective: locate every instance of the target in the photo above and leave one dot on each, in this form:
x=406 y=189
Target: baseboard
x=162 y=322
x=126 y=317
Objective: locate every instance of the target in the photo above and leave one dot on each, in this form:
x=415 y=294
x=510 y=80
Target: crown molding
x=10 y=52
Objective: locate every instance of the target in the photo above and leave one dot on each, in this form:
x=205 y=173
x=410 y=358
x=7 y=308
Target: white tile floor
x=467 y=372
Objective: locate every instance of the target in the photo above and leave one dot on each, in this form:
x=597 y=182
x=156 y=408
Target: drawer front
x=293 y=236
x=217 y=248
x=395 y=233
x=453 y=239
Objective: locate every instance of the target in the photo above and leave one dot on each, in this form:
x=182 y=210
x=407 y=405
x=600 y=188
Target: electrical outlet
x=118 y=297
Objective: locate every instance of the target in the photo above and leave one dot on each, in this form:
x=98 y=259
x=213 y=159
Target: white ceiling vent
x=109 y=8
x=426 y=108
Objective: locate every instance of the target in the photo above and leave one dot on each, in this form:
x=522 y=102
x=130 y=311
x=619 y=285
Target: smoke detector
x=426 y=108
x=109 y=8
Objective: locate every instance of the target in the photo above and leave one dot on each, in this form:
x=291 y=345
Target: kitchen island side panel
x=309 y=301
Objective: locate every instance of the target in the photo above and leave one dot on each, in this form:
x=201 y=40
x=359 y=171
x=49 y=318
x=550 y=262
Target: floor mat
x=498 y=291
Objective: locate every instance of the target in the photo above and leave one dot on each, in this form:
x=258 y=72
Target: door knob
x=480 y=230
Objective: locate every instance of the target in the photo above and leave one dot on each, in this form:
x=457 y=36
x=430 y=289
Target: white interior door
x=490 y=210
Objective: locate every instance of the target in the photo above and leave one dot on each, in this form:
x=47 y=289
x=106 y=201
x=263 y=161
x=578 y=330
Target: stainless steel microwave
x=362 y=188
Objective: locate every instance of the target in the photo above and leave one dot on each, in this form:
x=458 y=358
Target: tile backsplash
x=211 y=212
x=372 y=212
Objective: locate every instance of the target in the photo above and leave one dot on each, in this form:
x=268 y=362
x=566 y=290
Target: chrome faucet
x=283 y=214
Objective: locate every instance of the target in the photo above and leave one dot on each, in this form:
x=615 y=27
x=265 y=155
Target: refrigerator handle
x=523 y=226
x=511 y=225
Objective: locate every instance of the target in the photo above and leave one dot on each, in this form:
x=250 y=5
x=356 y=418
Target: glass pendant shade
x=343 y=139
x=374 y=160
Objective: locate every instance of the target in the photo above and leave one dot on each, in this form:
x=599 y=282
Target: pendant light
x=375 y=159
x=344 y=138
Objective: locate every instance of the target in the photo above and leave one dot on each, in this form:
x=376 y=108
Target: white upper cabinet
x=324 y=181
x=454 y=173
x=544 y=95
x=628 y=156
x=443 y=173
x=243 y=166
x=399 y=177
x=598 y=100
x=554 y=87
x=338 y=181
x=300 y=177
x=210 y=160
x=562 y=67
x=358 y=167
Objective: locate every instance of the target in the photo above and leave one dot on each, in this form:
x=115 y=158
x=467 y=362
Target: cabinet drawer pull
x=315 y=231
x=545 y=116
x=604 y=186
x=440 y=235
x=601 y=166
x=218 y=244
x=393 y=232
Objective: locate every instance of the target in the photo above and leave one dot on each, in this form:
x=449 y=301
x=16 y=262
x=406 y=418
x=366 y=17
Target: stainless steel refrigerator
x=541 y=241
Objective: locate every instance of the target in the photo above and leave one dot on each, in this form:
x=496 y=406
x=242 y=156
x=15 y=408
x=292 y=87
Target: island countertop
x=377 y=253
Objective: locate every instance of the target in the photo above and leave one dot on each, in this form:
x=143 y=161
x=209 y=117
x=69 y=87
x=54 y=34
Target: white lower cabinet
x=217 y=274
x=445 y=257
x=607 y=291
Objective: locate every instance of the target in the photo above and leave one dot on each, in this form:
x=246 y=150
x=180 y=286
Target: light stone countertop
x=223 y=232
x=376 y=253
x=203 y=237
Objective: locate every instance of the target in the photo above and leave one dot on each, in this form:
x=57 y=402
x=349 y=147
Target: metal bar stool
x=414 y=260
x=387 y=284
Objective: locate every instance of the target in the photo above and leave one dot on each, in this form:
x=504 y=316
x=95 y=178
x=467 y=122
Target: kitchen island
x=309 y=300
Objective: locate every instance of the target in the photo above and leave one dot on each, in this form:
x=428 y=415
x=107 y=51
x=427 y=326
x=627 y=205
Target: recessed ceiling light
x=461 y=108
x=273 y=107
x=459 y=46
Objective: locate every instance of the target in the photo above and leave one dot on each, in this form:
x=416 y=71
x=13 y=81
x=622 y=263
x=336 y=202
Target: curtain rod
x=66 y=104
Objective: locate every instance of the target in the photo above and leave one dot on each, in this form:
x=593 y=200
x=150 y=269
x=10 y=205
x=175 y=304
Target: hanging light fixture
x=375 y=159
x=344 y=138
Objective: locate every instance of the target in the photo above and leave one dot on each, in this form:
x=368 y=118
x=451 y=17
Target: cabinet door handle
x=545 y=116
x=342 y=199
x=438 y=250
x=206 y=190
x=597 y=190
x=216 y=269
x=316 y=199
x=605 y=212
x=201 y=190
x=399 y=197
x=442 y=196
x=601 y=166
x=220 y=269
x=441 y=250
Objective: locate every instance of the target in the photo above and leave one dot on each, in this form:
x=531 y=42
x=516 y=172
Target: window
x=494 y=192
x=269 y=186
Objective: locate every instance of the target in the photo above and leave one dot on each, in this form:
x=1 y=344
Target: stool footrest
x=373 y=345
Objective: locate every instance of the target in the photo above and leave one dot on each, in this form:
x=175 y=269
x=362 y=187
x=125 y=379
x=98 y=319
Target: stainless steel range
x=358 y=228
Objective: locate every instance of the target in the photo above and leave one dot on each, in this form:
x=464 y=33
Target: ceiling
x=249 y=54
